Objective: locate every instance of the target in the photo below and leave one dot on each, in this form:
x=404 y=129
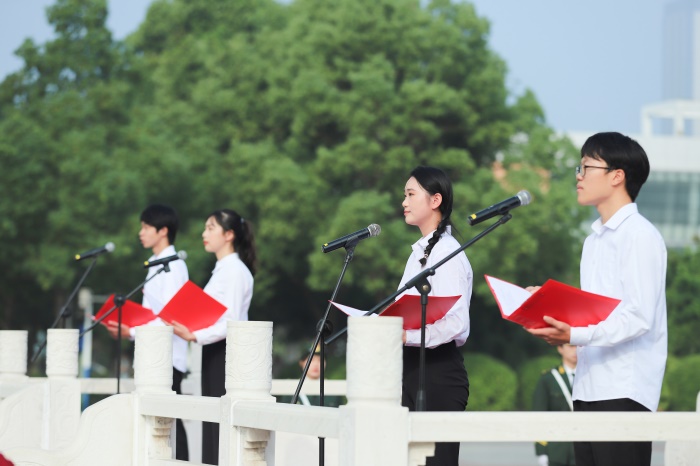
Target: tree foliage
x=307 y=119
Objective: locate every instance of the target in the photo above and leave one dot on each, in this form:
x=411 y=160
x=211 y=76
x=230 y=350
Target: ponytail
x=243 y=238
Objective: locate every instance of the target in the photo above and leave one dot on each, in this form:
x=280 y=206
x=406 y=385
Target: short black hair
x=620 y=152
x=160 y=216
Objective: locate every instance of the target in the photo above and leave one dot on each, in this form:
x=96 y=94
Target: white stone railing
x=372 y=429
x=42 y=414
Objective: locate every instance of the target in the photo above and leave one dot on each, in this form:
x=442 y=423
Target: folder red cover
x=408 y=306
x=555 y=299
x=133 y=314
x=192 y=307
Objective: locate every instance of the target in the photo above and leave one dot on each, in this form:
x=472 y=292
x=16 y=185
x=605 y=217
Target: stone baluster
x=153 y=374
x=61 y=414
x=248 y=377
x=13 y=355
x=374 y=425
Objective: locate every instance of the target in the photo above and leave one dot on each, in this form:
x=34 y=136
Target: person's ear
x=229 y=235
x=618 y=177
x=436 y=201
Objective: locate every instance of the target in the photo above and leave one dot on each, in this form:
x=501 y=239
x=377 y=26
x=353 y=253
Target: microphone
x=109 y=247
x=166 y=260
x=502 y=208
x=371 y=230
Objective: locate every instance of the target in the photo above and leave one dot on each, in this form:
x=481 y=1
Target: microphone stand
x=63 y=312
x=420 y=282
x=323 y=329
x=119 y=301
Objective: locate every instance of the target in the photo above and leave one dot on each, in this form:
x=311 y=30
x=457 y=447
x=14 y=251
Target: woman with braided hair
x=230 y=238
x=428 y=205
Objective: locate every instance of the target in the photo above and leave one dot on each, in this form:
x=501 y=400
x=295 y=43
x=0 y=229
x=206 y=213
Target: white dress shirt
x=231 y=284
x=159 y=291
x=451 y=279
x=625 y=355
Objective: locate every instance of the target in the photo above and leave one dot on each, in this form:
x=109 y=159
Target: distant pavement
x=520 y=454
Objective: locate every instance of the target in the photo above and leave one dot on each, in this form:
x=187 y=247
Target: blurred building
x=670 y=199
x=670 y=132
x=681 y=50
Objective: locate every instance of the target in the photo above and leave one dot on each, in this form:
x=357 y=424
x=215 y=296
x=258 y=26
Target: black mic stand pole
x=420 y=282
x=325 y=328
x=63 y=312
x=119 y=301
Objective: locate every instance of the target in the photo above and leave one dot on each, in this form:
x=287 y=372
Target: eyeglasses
x=581 y=169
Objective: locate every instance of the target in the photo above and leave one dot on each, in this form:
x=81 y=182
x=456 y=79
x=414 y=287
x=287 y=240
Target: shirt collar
x=167 y=252
x=568 y=370
x=227 y=258
x=420 y=245
x=616 y=220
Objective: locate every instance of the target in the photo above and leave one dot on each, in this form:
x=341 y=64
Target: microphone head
x=109 y=247
x=374 y=229
x=182 y=255
x=524 y=197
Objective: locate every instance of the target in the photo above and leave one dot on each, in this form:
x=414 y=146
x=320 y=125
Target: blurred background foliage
x=306 y=118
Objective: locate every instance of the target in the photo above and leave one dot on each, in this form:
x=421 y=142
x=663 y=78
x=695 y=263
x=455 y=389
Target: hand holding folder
x=193 y=308
x=555 y=299
x=408 y=306
x=133 y=314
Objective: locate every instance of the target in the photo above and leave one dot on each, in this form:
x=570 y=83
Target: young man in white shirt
x=159 y=224
x=621 y=360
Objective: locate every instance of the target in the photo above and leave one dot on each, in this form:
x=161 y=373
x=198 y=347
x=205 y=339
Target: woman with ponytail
x=229 y=236
x=428 y=205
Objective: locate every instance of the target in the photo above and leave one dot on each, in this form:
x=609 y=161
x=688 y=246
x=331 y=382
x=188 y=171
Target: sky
x=592 y=64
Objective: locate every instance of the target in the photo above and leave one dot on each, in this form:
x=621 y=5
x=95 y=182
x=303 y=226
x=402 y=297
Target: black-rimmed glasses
x=581 y=169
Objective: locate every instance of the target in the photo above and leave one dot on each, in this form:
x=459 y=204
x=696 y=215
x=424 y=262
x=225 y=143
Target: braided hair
x=243 y=239
x=435 y=181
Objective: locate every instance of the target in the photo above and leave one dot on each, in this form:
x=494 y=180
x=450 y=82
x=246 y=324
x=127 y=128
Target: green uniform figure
x=553 y=393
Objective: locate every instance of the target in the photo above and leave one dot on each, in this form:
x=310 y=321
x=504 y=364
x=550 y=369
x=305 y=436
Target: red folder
x=193 y=308
x=555 y=299
x=408 y=306
x=133 y=314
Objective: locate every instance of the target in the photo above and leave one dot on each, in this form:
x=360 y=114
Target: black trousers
x=611 y=453
x=181 y=450
x=446 y=389
x=213 y=384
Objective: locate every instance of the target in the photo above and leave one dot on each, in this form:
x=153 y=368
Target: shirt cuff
x=581 y=336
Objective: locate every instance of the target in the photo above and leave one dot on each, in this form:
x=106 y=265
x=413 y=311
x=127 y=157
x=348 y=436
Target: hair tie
x=242 y=220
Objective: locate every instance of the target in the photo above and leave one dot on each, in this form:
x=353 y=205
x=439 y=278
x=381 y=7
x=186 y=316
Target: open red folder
x=192 y=307
x=555 y=299
x=133 y=314
x=408 y=306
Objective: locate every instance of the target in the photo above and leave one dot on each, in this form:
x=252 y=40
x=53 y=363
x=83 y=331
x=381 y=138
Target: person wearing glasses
x=621 y=360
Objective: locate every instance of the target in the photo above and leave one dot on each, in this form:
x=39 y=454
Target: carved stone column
x=153 y=359
x=62 y=353
x=61 y=416
x=153 y=374
x=13 y=354
x=374 y=373
x=248 y=377
x=249 y=359
x=374 y=361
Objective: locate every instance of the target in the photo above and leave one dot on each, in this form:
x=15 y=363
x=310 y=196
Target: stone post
x=61 y=414
x=153 y=374
x=248 y=377
x=13 y=355
x=374 y=425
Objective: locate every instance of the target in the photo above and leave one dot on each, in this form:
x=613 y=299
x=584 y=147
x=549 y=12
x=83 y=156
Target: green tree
x=307 y=119
x=682 y=302
x=493 y=385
